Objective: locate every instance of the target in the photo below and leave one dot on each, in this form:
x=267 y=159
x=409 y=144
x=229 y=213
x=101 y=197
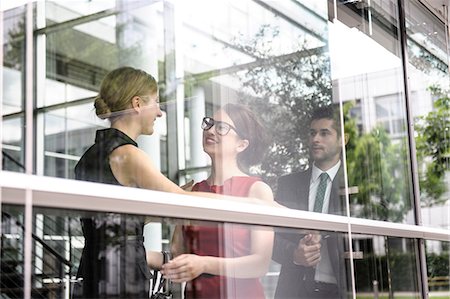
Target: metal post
x=28 y=147
x=375 y=289
x=422 y=265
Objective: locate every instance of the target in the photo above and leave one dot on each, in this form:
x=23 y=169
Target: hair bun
x=101 y=108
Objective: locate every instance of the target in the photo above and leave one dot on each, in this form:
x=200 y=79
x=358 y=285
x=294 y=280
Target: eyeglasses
x=222 y=128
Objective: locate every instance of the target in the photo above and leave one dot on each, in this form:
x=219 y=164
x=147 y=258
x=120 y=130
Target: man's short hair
x=328 y=112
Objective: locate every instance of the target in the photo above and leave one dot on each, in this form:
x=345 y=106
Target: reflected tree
x=14 y=45
x=379 y=168
x=433 y=149
x=283 y=90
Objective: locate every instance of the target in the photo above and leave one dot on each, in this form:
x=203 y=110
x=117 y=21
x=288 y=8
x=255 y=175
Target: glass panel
x=12 y=148
x=438 y=268
x=385 y=267
x=12 y=251
x=77 y=59
x=69 y=132
x=368 y=80
x=61 y=11
x=274 y=60
x=429 y=79
x=213 y=32
x=13 y=86
x=93 y=255
x=312 y=264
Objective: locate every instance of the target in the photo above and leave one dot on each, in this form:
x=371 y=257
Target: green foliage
x=14 y=45
x=438 y=264
x=285 y=90
x=402 y=270
x=379 y=168
x=433 y=149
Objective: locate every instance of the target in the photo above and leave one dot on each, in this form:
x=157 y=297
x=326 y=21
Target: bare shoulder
x=261 y=190
x=127 y=154
x=126 y=164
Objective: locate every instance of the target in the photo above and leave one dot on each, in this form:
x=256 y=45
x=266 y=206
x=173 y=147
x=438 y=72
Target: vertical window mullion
x=422 y=263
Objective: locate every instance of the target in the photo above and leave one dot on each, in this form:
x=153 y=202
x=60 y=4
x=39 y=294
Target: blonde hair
x=118 y=88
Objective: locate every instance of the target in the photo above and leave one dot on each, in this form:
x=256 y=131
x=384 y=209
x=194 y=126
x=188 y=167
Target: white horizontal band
x=76 y=195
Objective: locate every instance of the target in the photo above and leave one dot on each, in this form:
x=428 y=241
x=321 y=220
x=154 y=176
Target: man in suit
x=312 y=264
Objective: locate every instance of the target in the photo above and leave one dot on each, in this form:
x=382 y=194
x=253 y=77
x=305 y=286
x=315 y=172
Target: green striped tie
x=320 y=194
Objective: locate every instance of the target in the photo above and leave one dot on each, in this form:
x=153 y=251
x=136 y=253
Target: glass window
x=229 y=260
x=438 y=267
x=271 y=55
x=369 y=76
x=427 y=53
x=12 y=147
x=13 y=87
x=12 y=251
x=385 y=267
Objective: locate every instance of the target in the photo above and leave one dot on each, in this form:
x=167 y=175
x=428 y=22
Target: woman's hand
x=184 y=267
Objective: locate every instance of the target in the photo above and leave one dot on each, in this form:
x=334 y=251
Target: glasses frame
x=209 y=122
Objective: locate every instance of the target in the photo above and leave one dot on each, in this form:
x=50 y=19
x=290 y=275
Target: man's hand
x=308 y=251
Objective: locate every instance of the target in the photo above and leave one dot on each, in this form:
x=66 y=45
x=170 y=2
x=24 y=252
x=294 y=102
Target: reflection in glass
x=77 y=58
x=276 y=62
x=12 y=251
x=68 y=133
x=438 y=268
x=427 y=58
x=58 y=242
x=13 y=86
x=12 y=147
x=324 y=275
x=385 y=267
x=61 y=11
x=369 y=83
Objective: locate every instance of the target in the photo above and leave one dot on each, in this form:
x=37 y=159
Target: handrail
x=40 y=241
x=86 y=196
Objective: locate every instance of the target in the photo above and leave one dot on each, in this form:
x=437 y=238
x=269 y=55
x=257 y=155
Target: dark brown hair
x=248 y=127
x=328 y=112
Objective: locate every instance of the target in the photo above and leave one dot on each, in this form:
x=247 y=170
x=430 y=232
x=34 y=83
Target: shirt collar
x=316 y=172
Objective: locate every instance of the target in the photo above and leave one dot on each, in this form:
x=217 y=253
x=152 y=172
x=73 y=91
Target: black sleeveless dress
x=113 y=263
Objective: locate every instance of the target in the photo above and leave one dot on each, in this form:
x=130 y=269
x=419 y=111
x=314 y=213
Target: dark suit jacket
x=294 y=280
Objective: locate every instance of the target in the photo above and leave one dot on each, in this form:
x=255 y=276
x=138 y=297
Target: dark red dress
x=222 y=240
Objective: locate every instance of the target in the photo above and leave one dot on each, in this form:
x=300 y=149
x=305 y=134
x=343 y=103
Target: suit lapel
x=302 y=189
x=337 y=203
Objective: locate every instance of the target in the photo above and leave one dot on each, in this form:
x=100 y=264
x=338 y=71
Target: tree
x=379 y=168
x=284 y=90
x=433 y=149
x=14 y=45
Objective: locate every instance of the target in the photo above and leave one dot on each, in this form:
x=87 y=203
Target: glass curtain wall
x=283 y=60
x=427 y=46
